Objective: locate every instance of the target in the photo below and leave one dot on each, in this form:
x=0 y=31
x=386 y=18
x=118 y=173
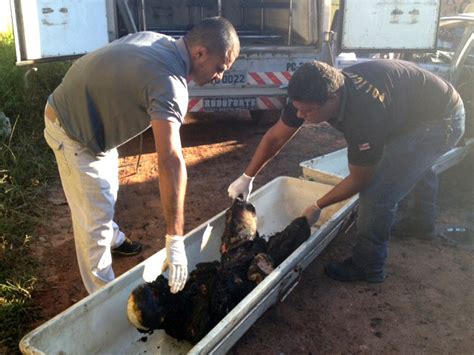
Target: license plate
x=229 y=103
x=233 y=77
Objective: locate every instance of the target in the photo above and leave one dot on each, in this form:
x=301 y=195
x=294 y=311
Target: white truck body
x=276 y=36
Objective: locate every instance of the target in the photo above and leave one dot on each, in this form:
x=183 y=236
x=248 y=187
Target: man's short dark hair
x=314 y=82
x=216 y=34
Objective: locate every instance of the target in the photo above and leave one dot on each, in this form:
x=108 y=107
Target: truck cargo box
x=98 y=324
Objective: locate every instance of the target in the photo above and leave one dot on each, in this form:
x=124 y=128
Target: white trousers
x=90 y=184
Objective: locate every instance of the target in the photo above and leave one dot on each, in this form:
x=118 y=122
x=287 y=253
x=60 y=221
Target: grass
x=26 y=169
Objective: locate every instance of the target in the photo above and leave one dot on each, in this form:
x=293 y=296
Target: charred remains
x=215 y=288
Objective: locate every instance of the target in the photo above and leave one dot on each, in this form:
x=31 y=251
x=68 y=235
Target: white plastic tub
x=98 y=324
x=328 y=169
x=333 y=167
x=453 y=156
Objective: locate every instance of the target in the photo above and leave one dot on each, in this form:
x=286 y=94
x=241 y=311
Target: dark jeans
x=406 y=163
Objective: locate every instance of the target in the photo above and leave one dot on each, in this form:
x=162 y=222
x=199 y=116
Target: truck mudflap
x=98 y=323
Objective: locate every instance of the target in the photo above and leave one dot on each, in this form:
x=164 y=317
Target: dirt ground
x=426 y=305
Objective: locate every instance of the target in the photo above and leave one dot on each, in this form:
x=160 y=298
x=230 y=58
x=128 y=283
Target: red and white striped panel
x=263 y=78
x=270 y=103
x=269 y=78
x=195 y=105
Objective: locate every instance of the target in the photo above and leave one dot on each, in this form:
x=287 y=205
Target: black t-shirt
x=381 y=100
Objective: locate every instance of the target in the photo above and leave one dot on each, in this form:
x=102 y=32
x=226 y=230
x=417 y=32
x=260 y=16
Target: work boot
x=127 y=248
x=348 y=271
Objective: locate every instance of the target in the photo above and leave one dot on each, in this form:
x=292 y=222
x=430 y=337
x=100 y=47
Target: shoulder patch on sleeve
x=364 y=146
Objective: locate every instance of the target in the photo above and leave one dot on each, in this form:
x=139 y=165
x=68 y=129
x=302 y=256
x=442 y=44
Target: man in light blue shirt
x=108 y=97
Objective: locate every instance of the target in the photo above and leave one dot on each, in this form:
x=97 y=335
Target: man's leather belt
x=50 y=113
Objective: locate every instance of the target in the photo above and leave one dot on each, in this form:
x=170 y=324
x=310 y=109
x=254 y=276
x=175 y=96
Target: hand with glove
x=312 y=213
x=241 y=186
x=176 y=261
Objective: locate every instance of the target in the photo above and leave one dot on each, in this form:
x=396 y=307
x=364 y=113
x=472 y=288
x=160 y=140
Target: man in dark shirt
x=397 y=119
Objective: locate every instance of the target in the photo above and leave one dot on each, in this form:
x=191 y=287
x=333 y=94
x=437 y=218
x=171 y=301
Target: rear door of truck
x=367 y=28
x=48 y=30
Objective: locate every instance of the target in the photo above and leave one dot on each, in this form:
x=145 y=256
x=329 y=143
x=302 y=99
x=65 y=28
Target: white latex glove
x=312 y=213
x=241 y=186
x=176 y=261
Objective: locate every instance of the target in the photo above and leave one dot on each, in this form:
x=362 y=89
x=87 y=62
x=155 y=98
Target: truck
x=276 y=36
x=273 y=42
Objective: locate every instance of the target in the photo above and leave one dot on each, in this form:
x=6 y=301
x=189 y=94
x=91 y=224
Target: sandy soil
x=426 y=305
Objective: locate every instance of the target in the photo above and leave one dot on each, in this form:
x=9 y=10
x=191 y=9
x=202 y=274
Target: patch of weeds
x=26 y=169
x=17 y=311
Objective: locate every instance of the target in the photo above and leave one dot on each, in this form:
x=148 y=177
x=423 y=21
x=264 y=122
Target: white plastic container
x=333 y=167
x=98 y=324
x=453 y=156
x=328 y=169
